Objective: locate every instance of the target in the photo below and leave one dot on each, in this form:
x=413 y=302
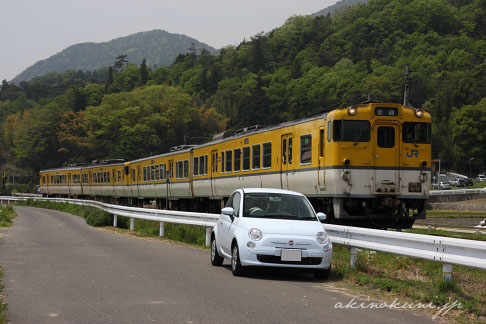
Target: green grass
x=455 y=214
x=413 y=280
x=426 y=231
x=6 y=216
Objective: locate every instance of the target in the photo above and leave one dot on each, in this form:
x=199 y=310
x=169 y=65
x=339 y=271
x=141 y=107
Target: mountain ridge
x=158 y=47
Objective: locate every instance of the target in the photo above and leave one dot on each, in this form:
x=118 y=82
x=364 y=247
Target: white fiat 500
x=274 y=228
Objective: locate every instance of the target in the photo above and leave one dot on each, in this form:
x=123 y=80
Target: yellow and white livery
x=364 y=165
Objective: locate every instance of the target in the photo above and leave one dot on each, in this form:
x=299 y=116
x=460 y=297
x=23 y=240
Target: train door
x=322 y=162
x=286 y=161
x=214 y=171
x=386 y=156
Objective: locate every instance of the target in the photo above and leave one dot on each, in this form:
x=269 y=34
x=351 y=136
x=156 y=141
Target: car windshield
x=277 y=206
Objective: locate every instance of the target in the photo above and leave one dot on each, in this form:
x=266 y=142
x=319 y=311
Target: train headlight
x=419 y=113
x=352 y=111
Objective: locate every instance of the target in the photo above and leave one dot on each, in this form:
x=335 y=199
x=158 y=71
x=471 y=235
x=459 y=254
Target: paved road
x=57 y=269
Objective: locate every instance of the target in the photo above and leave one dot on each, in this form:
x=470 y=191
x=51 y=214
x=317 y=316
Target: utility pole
x=406 y=91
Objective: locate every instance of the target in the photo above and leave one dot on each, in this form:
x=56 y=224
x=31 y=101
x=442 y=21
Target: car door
x=227 y=223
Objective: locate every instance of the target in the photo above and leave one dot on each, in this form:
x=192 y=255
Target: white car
x=271 y=228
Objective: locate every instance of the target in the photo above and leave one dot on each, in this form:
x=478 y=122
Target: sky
x=33 y=30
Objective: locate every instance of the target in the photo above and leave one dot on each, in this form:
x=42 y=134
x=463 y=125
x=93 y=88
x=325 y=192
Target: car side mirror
x=228 y=211
x=322 y=217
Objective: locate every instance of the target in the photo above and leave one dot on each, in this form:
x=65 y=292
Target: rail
x=448 y=251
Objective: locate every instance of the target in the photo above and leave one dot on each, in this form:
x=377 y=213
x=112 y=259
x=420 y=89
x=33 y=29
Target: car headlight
x=322 y=237
x=255 y=234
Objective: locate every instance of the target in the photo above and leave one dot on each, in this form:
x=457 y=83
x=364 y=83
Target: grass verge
x=455 y=214
x=414 y=280
x=6 y=215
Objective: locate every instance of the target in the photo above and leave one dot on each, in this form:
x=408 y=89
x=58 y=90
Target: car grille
x=276 y=260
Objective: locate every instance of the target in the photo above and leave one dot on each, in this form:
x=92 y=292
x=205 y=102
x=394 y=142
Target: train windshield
x=417 y=133
x=351 y=130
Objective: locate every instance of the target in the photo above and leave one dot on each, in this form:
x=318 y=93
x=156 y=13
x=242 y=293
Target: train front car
x=379 y=167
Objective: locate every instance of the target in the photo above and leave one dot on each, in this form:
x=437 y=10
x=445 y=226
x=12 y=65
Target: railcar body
x=363 y=165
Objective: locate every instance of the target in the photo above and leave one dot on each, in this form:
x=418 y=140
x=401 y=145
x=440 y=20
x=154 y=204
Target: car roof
x=270 y=190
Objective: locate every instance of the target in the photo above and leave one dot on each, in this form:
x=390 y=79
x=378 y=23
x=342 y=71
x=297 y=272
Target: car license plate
x=291 y=255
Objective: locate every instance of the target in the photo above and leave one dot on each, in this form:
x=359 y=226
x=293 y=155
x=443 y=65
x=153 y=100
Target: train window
x=229 y=160
x=157 y=172
x=329 y=131
x=196 y=166
x=144 y=174
x=107 y=177
x=351 y=130
x=267 y=155
x=119 y=176
x=186 y=169
x=237 y=163
x=222 y=162
x=162 y=171
x=306 y=149
x=290 y=151
x=256 y=157
x=152 y=173
x=205 y=164
x=246 y=158
x=386 y=137
x=133 y=175
x=179 y=170
x=417 y=133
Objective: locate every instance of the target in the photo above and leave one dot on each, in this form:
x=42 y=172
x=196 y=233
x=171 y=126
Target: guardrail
x=448 y=251
x=200 y=219
x=454 y=192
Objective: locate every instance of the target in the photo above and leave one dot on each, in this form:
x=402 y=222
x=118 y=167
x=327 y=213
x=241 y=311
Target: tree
x=144 y=75
x=120 y=62
x=4 y=85
x=109 y=80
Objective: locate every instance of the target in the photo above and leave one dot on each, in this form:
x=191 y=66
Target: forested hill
x=158 y=47
x=308 y=65
x=338 y=7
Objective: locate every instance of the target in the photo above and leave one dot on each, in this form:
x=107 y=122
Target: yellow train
x=366 y=165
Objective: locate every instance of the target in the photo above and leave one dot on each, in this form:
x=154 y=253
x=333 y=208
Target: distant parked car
x=468 y=182
x=442 y=186
x=481 y=177
x=454 y=182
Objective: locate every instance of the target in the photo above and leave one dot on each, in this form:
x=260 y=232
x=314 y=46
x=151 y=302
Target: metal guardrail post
x=115 y=221
x=161 y=229
x=354 y=257
x=208 y=236
x=132 y=224
x=447 y=272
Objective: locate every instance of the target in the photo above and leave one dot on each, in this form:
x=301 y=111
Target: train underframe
x=379 y=212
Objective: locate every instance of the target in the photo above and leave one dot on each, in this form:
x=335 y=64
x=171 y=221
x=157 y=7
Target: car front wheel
x=216 y=259
x=236 y=266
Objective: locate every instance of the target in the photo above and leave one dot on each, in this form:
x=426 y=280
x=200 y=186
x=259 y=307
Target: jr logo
x=413 y=153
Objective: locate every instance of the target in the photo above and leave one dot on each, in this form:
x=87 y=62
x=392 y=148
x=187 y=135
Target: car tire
x=236 y=267
x=322 y=274
x=216 y=259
